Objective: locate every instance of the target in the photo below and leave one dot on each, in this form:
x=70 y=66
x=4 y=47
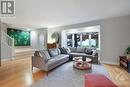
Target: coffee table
x=82 y=65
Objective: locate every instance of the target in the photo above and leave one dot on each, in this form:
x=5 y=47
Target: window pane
x=85 y=40
x=77 y=40
x=69 y=40
x=94 y=39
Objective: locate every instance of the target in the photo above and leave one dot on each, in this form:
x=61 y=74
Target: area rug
x=67 y=76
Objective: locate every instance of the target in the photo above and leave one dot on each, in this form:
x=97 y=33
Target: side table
x=125 y=63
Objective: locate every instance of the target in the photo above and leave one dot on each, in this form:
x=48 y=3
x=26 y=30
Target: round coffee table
x=80 y=64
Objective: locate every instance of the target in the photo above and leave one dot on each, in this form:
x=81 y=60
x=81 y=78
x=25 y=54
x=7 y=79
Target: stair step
x=23 y=53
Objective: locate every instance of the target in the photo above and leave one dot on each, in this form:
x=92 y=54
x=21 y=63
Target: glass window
x=90 y=39
x=94 y=39
x=77 y=40
x=69 y=40
x=85 y=40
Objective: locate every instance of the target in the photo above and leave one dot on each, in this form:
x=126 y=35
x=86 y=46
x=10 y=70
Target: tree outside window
x=89 y=39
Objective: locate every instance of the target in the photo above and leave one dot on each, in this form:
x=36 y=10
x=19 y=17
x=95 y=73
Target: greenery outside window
x=89 y=39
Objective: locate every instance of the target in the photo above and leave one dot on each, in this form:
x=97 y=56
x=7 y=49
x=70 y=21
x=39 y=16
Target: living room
x=68 y=44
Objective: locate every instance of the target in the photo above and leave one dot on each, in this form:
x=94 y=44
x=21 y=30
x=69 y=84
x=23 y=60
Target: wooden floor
x=18 y=73
x=118 y=75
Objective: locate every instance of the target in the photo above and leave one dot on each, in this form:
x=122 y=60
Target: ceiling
x=52 y=13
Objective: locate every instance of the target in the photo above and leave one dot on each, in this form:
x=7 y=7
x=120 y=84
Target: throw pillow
x=80 y=49
x=53 y=52
x=89 y=51
x=73 y=49
x=59 y=52
x=37 y=54
x=47 y=54
x=94 y=52
x=63 y=50
x=68 y=50
x=44 y=54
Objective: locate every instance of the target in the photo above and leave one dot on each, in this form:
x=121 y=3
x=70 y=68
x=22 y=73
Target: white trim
x=7 y=59
x=113 y=63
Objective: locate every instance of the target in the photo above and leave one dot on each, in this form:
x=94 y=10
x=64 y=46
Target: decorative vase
x=83 y=58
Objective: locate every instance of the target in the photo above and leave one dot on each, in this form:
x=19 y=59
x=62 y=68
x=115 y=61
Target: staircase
x=9 y=52
x=7 y=46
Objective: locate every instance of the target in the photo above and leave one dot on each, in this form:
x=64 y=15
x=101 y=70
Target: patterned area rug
x=67 y=76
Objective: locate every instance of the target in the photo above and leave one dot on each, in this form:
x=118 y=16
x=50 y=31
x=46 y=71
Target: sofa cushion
x=59 y=52
x=94 y=52
x=44 y=54
x=80 y=50
x=53 y=52
x=63 y=50
x=57 y=59
x=88 y=51
x=73 y=49
x=78 y=54
x=81 y=54
x=37 y=54
x=68 y=50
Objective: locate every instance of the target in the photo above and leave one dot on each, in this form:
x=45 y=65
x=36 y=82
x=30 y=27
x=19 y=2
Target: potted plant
x=127 y=51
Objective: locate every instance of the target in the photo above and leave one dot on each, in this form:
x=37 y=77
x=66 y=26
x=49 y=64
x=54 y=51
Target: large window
x=89 y=39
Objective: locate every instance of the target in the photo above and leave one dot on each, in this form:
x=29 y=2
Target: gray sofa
x=90 y=53
x=48 y=59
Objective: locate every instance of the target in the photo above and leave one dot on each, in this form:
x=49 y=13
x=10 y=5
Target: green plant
x=127 y=51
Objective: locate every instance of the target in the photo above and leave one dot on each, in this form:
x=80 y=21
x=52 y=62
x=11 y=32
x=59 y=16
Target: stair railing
x=6 y=39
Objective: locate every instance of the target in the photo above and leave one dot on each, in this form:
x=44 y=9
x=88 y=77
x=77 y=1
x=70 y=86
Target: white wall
x=34 y=39
x=115 y=33
x=0 y=42
x=4 y=27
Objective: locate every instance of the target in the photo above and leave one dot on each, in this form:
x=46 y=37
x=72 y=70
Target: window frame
x=81 y=35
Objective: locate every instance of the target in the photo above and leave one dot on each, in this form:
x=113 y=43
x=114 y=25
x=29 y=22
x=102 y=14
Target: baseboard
x=7 y=59
x=113 y=63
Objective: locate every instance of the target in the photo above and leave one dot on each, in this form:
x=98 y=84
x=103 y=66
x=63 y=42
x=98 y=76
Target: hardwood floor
x=18 y=73
x=118 y=75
